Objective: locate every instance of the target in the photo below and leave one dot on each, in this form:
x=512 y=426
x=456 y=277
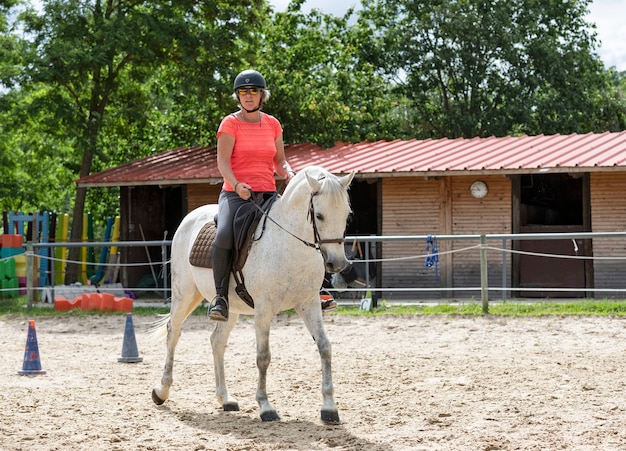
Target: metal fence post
x=484 y=284
x=504 y=270
x=164 y=261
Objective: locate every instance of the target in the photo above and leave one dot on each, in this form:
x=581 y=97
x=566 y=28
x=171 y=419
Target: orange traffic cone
x=32 y=364
x=130 y=354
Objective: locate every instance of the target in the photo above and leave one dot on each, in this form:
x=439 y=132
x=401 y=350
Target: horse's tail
x=158 y=329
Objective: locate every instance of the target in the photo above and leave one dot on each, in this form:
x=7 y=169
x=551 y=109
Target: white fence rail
x=475 y=241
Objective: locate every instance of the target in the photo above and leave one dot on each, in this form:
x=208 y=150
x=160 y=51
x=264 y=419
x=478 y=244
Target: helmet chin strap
x=251 y=111
x=254 y=109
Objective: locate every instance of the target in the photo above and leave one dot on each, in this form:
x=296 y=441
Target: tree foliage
x=476 y=68
x=322 y=92
x=90 y=84
x=97 y=57
x=36 y=167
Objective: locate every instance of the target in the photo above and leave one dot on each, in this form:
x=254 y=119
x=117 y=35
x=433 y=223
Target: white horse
x=303 y=238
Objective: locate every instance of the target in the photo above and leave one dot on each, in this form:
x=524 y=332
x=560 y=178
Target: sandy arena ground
x=401 y=383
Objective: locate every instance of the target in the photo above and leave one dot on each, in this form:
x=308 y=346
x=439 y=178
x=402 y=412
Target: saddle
x=245 y=223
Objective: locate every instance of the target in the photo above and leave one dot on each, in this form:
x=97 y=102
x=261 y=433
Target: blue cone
x=32 y=364
x=130 y=354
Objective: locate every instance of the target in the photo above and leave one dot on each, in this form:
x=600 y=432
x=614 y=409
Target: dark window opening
x=551 y=199
x=363 y=200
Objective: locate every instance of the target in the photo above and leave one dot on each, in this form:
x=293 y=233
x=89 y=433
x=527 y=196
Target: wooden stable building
x=508 y=185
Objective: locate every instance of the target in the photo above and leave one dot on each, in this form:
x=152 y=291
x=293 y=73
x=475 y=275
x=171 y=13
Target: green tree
x=321 y=91
x=609 y=104
x=479 y=68
x=36 y=168
x=10 y=43
x=91 y=52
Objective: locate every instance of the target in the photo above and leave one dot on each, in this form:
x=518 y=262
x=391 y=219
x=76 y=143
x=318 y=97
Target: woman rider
x=250 y=150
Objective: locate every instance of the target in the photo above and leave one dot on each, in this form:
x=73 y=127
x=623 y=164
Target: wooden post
x=484 y=283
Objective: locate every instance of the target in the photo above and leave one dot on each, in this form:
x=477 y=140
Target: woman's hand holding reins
x=289 y=173
x=243 y=190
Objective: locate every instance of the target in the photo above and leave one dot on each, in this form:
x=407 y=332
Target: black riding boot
x=221 y=273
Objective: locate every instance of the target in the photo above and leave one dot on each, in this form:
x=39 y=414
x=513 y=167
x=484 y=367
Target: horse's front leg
x=219 y=340
x=311 y=313
x=263 y=358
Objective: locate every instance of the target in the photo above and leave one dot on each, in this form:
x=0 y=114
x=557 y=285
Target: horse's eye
x=319 y=216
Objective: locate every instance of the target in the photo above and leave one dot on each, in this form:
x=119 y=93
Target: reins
x=318 y=240
x=316 y=234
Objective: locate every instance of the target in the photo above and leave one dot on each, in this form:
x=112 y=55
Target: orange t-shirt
x=252 y=160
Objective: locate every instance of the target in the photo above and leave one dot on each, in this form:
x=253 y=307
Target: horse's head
x=329 y=210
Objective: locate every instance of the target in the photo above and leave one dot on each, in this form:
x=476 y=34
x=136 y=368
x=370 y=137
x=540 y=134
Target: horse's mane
x=330 y=184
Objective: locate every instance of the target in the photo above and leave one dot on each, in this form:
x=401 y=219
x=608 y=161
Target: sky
x=606 y=14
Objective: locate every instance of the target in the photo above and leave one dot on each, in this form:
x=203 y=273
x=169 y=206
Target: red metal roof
x=508 y=155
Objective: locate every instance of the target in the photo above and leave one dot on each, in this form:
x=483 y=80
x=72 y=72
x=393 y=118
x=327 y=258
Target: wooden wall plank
x=442 y=206
x=608 y=214
x=199 y=194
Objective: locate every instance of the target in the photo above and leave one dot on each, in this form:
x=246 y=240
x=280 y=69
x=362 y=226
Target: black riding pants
x=228 y=204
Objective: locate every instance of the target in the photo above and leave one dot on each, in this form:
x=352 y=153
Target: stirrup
x=218 y=311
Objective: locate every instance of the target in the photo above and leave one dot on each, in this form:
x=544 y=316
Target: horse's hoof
x=269 y=416
x=231 y=407
x=330 y=417
x=158 y=401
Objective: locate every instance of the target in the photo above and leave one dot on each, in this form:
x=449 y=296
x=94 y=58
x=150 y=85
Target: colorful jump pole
x=110 y=274
x=60 y=253
x=83 y=252
x=43 y=252
x=99 y=274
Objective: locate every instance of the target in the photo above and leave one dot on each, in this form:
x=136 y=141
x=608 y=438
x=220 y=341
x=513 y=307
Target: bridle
x=318 y=241
x=316 y=234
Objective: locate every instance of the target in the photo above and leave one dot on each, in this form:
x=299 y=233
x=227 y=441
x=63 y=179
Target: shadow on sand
x=284 y=434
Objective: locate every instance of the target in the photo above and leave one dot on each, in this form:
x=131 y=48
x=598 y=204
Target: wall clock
x=479 y=189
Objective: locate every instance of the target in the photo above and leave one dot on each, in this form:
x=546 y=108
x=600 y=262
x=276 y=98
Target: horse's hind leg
x=180 y=310
x=312 y=316
x=162 y=392
x=219 y=339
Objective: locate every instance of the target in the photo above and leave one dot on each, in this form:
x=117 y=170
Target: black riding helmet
x=249 y=78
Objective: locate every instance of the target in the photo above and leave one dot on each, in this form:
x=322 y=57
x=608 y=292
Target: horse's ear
x=316 y=185
x=346 y=179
